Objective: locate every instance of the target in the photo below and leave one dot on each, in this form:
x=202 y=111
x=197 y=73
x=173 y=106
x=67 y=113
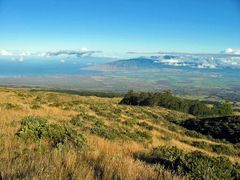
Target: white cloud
x=71 y=53
x=200 y=61
x=62 y=53
x=231 y=51
x=26 y=53
x=84 y=49
x=5 y=53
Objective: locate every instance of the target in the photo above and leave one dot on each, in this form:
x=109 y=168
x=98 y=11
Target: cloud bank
x=71 y=53
x=227 y=58
x=231 y=51
x=20 y=55
x=5 y=53
x=199 y=61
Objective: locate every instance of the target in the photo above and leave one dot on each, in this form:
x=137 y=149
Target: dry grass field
x=47 y=135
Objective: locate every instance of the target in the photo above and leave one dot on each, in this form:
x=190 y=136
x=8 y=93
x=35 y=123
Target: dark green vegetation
x=37 y=128
x=224 y=128
x=167 y=100
x=195 y=165
x=109 y=94
x=226 y=149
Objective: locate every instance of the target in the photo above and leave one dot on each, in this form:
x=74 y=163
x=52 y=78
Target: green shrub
x=217 y=148
x=117 y=111
x=223 y=149
x=56 y=104
x=33 y=128
x=64 y=135
x=195 y=165
x=194 y=134
x=36 y=128
x=87 y=117
x=9 y=106
x=162 y=155
x=139 y=135
x=145 y=125
x=201 y=144
x=130 y=123
x=173 y=127
x=237 y=145
x=199 y=166
x=104 y=131
x=116 y=132
x=169 y=153
x=167 y=137
x=35 y=105
x=76 y=120
x=170 y=118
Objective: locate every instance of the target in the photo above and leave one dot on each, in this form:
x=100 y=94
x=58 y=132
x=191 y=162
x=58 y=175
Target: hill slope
x=55 y=135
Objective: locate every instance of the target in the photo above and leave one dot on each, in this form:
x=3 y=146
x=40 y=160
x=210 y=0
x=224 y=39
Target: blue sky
x=120 y=25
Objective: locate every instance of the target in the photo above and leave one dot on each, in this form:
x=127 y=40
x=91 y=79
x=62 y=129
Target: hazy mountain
x=181 y=61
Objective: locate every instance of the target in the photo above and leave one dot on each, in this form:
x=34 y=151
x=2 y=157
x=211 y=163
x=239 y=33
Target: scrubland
x=49 y=135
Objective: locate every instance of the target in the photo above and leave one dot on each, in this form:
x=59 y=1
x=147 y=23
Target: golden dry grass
x=104 y=159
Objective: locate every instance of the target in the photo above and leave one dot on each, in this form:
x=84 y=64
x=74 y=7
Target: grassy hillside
x=52 y=135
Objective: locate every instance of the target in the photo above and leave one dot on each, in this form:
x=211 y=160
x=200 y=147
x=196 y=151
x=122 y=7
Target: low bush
x=36 y=128
x=130 y=123
x=167 y=137
x=9 y=106
x=237 y=145
x=33 y=128
x=195 y=165
x=139 y=135
x=116 y=132
x=87 y=117
x=77 y=120
x=65 y=135
x=173 y=127
x=201 y=144
x=104 y=131
x=35 y=105
x=217 y=148
x=145 y=125
x=193 y=134
x=224 y=149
